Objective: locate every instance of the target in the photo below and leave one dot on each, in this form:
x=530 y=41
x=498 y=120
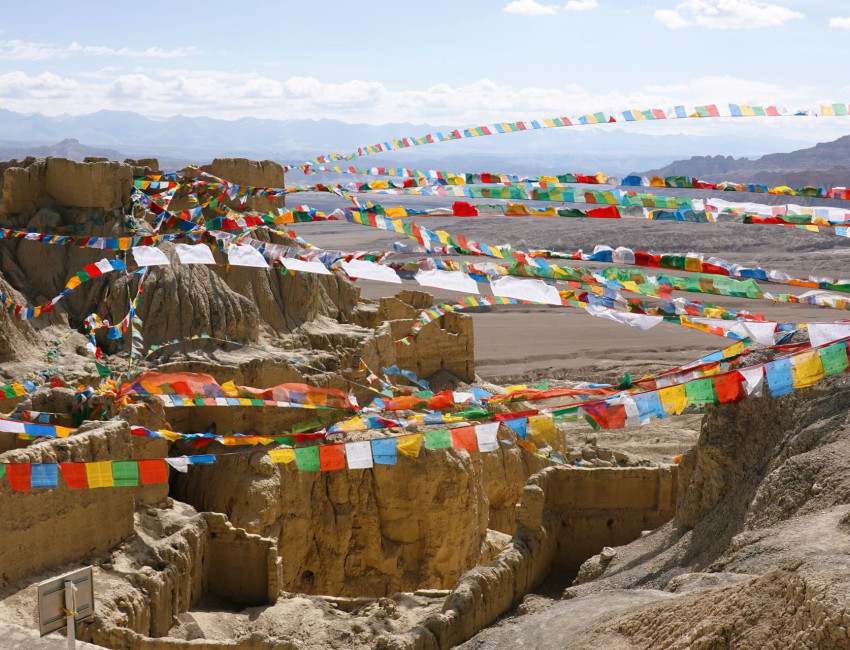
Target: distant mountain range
x=70 y=148
x=827 y=163
x=178 y=141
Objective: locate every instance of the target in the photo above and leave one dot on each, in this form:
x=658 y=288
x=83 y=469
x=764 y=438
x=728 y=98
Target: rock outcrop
x=756 y=555
x=46 y=528
x=102 y=185
x=368 y=532
x=253 y=173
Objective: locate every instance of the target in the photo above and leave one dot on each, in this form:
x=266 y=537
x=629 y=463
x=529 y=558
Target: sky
x=439 y=62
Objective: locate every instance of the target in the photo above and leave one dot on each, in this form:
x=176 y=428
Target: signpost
x=64 y=600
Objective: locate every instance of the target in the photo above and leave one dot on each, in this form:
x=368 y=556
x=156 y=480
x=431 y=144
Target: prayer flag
x=807 y=369
x=649 y=405
x=822 y=333
x=180 y=463
x=729 y=387
x=834 y=359
x=331 y=457
x=99 y=474
x=753 y=380
x=674 y=399
x=409 y=445
x=125 y=473
x=152 y=471
x=44 y=475
x=307 y=459
x=282 y=455
x=486 y=436
x=312 y=266
x=779 y=377
x=464 y=438
x=20 y=476
x=245 y=255
x=198 y=254
x=149 y=256
x=542 y=428
x=359 y=454
x=370 y=271
x=384 y=451
x=701 y=391
x=440 y=439
x=74 y=475
x=519 y=426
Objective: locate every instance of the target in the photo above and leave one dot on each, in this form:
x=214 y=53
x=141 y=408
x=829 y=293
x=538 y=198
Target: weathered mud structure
x=246 y=532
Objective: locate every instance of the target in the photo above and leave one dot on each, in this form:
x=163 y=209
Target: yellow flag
x=99 y=474
x=693 y=264
x=282 y=455
x=807 y=369
x=542 y=428
x=409 y=445
x=674 y=399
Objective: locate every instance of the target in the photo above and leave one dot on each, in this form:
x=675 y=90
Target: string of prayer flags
x=24 y=477
x=677 y=112
x=420 y=178
x=88 y=272
x=34 y=429
x=202 y=389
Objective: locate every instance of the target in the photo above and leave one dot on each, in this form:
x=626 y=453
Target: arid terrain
x=727 y=526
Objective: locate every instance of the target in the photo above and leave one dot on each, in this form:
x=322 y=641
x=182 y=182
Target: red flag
x=153 y=471
x=728 y=387
x=20 y=476
x=464 y=438
x=331 y=457
x=74 y=475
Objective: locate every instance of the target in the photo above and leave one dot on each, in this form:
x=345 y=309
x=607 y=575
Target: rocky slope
x=825 y=164
x=756 y=555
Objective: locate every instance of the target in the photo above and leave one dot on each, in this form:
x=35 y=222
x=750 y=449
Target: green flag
x=701 y=391
x=438 y=439
x=834 y=359
x=307 y=459
x=125 y=473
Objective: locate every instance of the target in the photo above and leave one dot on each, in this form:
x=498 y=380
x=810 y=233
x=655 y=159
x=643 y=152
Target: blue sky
x=438 y=62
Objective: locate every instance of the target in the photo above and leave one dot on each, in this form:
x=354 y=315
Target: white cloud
x=840 y=23
x=581 y=5
x=529 y=8
x=16 y=49
x=726 y=14
x=166 y=92
x=671 y=19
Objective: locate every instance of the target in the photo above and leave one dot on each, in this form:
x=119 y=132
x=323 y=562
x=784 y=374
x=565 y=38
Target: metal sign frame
x=51 y=599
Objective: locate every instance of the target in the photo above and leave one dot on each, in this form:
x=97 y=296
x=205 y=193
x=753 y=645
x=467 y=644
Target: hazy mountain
x=69 y=148
x=826 y=163
x=177 y=141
